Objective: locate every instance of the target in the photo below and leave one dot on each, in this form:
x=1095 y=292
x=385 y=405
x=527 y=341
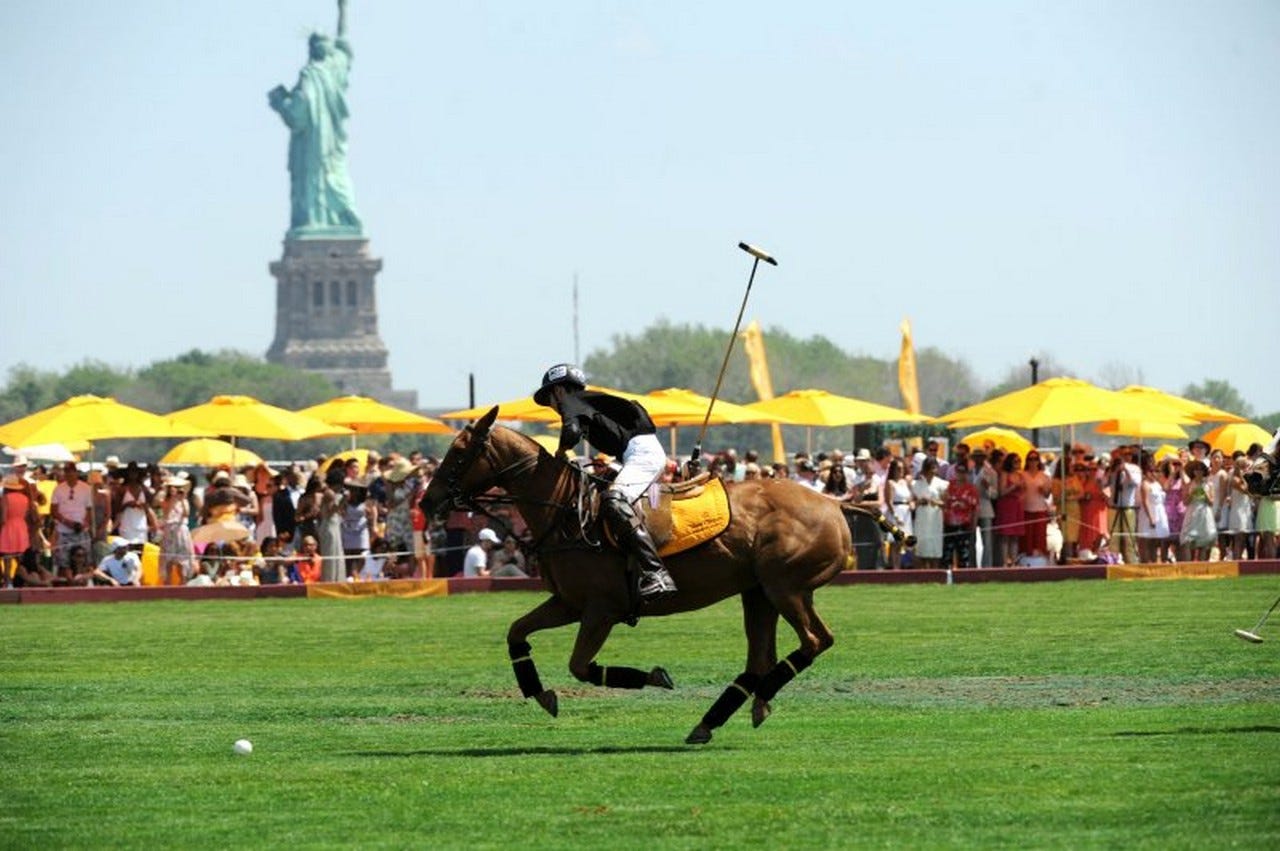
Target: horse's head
x=465 y=471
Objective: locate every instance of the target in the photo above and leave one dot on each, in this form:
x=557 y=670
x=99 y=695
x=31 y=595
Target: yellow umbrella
x=359 y=455
x=1198 y=411
x=665 y=407
x=368 y=416
x=92 y=418
x=1001 y=438
x=523 y=409
x=1237 y=437
x=1061 y=401
x=548 y=442
x=676 y=406
x=1166 y=451
x=820 y=408
x=244 y=416
x=209 y=452
x=1141 y=428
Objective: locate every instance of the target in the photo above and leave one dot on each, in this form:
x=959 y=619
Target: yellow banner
x=387 y=588
x=758 y=367
x=1185 y=570
x=907 y=383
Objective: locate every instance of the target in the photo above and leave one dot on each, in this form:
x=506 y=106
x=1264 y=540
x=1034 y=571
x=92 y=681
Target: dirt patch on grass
x=1025 y=692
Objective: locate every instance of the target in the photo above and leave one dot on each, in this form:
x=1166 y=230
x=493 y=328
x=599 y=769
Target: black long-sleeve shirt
x=607 y=422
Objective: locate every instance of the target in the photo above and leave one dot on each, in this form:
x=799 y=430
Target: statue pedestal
x=327 y=316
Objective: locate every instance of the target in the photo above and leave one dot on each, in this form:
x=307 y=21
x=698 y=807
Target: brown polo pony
x=784 y=541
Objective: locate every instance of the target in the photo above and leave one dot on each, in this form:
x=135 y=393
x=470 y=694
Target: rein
x=478 y=501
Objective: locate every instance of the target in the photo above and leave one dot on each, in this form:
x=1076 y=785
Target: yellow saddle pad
x=693 y=520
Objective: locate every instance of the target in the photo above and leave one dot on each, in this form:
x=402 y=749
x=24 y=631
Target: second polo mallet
x=759 y=254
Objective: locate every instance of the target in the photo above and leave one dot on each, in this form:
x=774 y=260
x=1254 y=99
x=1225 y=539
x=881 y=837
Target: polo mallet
x=759 y=254
x=1252 y=634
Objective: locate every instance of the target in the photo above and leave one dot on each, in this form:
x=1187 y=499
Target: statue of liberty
x=323 y=202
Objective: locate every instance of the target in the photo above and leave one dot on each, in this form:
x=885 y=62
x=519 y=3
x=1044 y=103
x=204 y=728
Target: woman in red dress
x=1008 y=521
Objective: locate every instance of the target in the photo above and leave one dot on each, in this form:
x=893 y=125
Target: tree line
x=663 y=355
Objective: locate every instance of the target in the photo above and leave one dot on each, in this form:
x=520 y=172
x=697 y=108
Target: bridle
x=475 y=498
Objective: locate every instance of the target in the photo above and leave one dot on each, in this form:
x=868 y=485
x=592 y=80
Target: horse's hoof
x=759 y=711
x=660 y=678
x=548 y=701
x=700 y=736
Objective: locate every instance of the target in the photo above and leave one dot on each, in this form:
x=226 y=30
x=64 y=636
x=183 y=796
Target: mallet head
x=1249 y=636
x=758 y=253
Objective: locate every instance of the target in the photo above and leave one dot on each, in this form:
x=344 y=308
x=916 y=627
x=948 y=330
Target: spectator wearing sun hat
x=402 y=485
x=175 y=532
x=18 y=519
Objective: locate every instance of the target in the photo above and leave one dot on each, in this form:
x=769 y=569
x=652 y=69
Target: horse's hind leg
x=797 y=608
x=549 y=614
x=760 y=620
x=592 y=634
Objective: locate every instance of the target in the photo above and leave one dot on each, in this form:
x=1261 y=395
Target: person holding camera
x=1123 y=480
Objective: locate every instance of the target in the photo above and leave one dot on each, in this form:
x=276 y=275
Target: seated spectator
x=32 y=574
x=121 y=567
x=508 y=562
x=272 y=570
x=76 y=572
x=476 y=561
x=375 y=561
x=308 y=565
x=248 y=563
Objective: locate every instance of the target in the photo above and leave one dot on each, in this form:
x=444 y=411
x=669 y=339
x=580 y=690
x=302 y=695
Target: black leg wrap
x=526 y=672
x=616 y=677
x=782 y=673
x=731 y=700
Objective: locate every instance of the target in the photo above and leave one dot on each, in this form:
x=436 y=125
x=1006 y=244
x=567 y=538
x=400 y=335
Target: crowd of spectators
x=332 y=520
x=985 y=507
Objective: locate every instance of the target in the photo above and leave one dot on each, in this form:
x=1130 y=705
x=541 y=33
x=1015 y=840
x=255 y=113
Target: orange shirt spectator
x=309 y=562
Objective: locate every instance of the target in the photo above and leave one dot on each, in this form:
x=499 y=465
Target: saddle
x=680 y=515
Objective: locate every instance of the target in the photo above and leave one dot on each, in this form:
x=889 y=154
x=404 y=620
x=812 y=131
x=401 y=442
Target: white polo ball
x=244 y=747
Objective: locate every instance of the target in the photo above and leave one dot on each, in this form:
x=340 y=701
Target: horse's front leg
x=593 y=631
x=549 y=614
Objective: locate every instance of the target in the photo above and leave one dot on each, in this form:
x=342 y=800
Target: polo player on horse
x=623 y=429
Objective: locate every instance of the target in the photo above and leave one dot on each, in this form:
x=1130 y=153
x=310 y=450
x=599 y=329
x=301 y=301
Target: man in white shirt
x=73 y=521
x=807 y=475
x=121 y=567
x=476 y=562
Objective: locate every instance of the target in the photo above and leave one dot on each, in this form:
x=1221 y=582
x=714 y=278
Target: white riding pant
x=642 y=463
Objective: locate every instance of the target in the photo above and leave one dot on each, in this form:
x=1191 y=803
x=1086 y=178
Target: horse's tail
x=886 y=525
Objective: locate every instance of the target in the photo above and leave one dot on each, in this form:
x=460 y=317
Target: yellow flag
x=907 y=384
x=758 y=366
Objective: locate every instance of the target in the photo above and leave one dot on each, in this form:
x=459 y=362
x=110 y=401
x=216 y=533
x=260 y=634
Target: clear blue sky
x=1093 y=180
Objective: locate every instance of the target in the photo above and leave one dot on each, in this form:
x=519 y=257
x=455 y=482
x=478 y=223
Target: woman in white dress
x=928 y=491
x=1153 y=518
x=1240 y=508
x=896 y=495
x=1199 y=529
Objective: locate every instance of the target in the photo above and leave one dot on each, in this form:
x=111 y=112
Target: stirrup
x=656 y=584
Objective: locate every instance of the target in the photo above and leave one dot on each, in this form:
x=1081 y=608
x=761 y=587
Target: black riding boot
x=629 y=531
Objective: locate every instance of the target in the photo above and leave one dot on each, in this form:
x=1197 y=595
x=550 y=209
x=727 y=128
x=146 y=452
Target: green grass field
x=1051 y=715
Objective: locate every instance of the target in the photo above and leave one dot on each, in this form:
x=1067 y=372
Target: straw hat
x=400 y=470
